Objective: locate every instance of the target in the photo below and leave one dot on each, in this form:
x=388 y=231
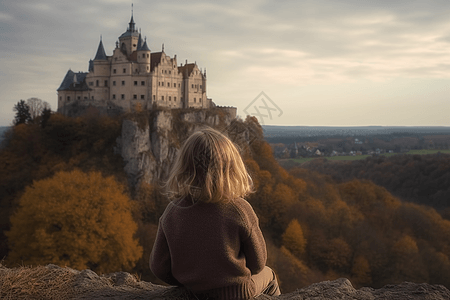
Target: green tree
x=75 y=219
x=23 y=115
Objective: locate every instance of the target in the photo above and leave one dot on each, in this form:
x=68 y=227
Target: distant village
x=311 y=149
x=302 y=141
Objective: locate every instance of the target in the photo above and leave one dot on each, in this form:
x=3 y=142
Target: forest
x=422 y=179
x=317 y=227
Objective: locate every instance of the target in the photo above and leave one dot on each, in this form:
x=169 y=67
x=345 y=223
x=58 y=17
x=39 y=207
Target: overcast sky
x=319 y=62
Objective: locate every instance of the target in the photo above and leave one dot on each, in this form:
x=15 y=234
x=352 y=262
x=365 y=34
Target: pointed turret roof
x=139 y=44
x=145 y=47
x=101 y=54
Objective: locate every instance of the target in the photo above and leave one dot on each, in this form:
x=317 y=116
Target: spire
x=131 y=27
x=101 y=55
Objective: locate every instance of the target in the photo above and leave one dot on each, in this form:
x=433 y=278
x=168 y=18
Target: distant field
x=357 y=157
x=428 y=151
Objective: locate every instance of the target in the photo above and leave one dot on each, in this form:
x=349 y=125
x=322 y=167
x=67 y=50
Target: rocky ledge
x=53 y=282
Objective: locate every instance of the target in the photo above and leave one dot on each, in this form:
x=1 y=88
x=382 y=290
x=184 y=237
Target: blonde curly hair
x=208 y=168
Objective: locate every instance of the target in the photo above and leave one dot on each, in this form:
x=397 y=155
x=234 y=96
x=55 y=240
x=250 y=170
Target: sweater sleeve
x=254 y=246
x=160 y=261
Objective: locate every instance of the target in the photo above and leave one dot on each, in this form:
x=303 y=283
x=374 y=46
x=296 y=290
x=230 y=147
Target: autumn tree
x=293 y=239
x=75 y=219
x=361 y=271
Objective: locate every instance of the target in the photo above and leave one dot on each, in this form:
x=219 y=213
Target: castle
x=133 y=77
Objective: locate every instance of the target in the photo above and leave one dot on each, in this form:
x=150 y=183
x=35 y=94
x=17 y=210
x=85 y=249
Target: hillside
x=422 y=179
x=316 y=228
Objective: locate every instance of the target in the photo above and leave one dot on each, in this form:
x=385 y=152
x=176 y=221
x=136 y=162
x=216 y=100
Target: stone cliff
x=149 y=142
x=53 y=282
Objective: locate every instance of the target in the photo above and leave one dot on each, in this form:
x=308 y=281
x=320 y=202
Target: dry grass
x=36 y=283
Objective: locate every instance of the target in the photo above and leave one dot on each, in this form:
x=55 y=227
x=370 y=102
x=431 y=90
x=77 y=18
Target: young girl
x=209 y=239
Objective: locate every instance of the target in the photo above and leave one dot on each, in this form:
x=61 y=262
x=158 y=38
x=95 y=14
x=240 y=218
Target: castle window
x=195 y=100
x=162 y=71
x=106 y=82
x=114 y=96
x=174 y=85
x=124 y=70
x=79 y=98
x=143 y=55
x=114 y=71
x=123 y=82
x=92 y=97
x=168 y=84
x=179 y=85
x=142 y=97
x=162 y=98
x=170 y=72
x=192 y=86
x=200 y=86
x=148 y=68
x=135 y=83
x=135 y=97
x=114 y=82
x=154 y=97
x=159 y=83
x=170 y=98
x=122 y=96
x=96 y=83
x=199 y=100
x=68 y=98
x=142 y=82
x=148 y=55
x=165 y=71
x=175 y=99
x=60 y=98
x=115 y=58
x=91 y=83
x=85 y=98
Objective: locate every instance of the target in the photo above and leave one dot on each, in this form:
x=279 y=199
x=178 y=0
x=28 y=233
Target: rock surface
x=53 y=282
x=149 y=145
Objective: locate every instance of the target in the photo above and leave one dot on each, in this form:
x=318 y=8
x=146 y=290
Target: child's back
x=211 y=246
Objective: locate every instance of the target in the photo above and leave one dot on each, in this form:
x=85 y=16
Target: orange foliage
x=293 y=239
x=75 y=219
x=361 y=271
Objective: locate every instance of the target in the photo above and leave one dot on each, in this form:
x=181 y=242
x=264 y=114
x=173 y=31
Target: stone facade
x=134 y=78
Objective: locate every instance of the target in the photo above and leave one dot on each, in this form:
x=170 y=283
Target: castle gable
x=155 y=60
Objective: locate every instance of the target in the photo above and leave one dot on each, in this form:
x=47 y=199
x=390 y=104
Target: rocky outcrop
x=149 y=143
x=53 y=282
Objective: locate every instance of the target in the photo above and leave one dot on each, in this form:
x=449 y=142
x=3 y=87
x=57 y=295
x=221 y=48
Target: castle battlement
x=133 y=76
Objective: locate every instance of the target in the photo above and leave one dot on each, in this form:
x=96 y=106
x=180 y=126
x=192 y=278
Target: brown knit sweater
x=210 y=248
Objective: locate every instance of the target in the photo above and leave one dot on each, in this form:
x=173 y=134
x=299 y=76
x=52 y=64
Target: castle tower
x=205 y=104
x=129 y=39
x=143 y=56
x=99 y=73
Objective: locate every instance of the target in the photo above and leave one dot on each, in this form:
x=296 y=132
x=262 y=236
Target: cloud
x=279 y=45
